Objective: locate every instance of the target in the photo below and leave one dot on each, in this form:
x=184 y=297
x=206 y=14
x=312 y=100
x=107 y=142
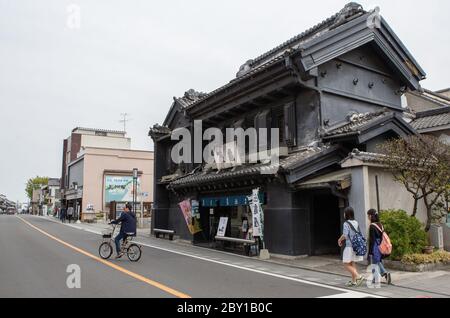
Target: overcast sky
x=134 y=56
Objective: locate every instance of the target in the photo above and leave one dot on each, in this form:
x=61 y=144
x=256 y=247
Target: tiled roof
x=349 y=12
x=286 y=163
x=356 y=123
x=432 y=119
x=368 y=157
x=247 y=75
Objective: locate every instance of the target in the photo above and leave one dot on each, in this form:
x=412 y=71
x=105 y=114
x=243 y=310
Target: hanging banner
x=195 y=208
x=186 y=209
x=257 y=214
x=222 y=226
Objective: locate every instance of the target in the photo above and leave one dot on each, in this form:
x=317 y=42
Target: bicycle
x=132 y=250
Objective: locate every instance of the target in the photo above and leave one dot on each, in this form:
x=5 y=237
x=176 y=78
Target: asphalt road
x=35 y=254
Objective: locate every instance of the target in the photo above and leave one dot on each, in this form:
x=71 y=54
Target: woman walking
x=376 y=230
x=349 y=257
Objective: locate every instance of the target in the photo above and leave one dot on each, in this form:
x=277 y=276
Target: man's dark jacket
x=128 y=220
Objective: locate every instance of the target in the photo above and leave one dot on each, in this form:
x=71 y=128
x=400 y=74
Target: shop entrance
x=325 y=224
x=210 y=218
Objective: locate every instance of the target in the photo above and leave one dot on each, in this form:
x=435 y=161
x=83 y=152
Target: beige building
x=97 y=168
x=103 y=177
x=81 y=138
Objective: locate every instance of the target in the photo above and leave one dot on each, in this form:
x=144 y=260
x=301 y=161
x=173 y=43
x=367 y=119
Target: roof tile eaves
x=234 y=81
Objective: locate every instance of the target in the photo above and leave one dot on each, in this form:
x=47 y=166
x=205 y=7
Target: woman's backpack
x=358 y=241
x=385 y=245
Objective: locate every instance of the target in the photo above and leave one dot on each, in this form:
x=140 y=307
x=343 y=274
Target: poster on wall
x=120 y=188
x=195 y=209
x=186 y=209
x=222 y=226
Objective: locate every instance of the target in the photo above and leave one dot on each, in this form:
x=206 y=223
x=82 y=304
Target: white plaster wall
x=392 y=194
x=359 y=198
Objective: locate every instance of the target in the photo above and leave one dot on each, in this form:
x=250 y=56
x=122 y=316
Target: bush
x=437 y=257
x=406 y=233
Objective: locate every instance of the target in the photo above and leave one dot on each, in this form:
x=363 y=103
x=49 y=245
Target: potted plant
x=428 y=249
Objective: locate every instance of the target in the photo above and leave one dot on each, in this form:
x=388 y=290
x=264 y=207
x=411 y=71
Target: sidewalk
x=327 y=270
x=436 y=281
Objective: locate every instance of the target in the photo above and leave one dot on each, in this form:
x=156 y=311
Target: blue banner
x=233 y=200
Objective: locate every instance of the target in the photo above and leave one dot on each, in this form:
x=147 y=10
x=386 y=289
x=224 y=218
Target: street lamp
x=135 y=177
x=75 y=185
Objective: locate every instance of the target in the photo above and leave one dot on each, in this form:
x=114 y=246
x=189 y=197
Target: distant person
x=349 y=257
x=376 y=230
x=127 y=228
x=69 y=213
x=62 y=214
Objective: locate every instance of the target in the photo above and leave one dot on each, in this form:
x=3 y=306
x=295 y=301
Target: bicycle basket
x=107 y=234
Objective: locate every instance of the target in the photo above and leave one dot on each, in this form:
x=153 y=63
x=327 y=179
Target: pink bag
x=385 y=246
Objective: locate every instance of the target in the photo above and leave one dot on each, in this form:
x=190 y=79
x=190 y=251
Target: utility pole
x=124 y=121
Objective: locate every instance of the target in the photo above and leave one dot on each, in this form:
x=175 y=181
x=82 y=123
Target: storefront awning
x=342 y=178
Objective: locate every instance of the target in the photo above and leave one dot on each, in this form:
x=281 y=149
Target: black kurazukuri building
x=335 y=91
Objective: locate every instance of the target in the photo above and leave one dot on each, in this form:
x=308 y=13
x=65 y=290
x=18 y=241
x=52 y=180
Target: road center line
x=342 y=290
x=109 y=264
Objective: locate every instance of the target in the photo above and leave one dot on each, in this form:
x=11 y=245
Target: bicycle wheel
x=134 y=252
x=105 y=250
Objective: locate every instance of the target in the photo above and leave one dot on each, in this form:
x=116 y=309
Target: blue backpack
x=358 y=241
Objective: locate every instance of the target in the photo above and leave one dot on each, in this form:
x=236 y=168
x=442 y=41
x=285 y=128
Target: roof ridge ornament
x=245 y=68
x=350 y=10
x=193 y=95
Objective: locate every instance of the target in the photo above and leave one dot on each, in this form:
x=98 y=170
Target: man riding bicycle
x=128 y=227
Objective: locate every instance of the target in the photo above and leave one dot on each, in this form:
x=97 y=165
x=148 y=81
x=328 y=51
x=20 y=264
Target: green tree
x=422 y=165
x=35 y=183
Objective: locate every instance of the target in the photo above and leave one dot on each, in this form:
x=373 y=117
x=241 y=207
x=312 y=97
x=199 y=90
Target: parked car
x=11 y=211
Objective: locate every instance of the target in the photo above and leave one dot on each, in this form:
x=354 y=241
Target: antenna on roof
x=124 y=121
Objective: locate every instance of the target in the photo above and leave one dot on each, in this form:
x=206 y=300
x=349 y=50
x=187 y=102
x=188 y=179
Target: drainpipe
x=378 y=193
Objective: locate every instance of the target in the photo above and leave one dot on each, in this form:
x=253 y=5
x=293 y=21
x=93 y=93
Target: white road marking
x=350 y=294
x=344 y=291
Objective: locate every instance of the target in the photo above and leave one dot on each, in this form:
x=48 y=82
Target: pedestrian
x=349 y=257
x=376 y=230
x=244 y=227
x=69 y=213
x=62 y=214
